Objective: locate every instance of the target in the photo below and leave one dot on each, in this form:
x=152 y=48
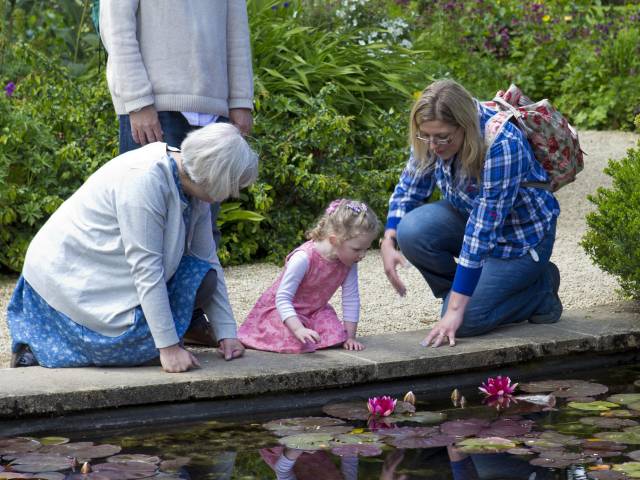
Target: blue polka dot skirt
x=57 y=341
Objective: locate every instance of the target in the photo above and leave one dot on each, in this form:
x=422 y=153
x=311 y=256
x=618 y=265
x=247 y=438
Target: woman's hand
x=391 y=258
x=230 y=348
x=449 y=323
x=175 y=359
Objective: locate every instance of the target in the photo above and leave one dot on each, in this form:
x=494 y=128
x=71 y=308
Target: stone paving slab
x=37 y=391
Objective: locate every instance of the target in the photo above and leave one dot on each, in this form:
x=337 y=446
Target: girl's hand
x=301 y=332
x=352 y=344
x=307 y=335
x=175 y=359
x=391 y=258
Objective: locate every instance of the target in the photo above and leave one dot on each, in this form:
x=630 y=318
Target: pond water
x=555 y=429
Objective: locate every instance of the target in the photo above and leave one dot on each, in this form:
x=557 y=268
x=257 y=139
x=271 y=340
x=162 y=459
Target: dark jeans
x=509 y=290
x=174 y=128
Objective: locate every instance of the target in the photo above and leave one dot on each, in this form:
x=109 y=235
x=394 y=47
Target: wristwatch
x=394 y=239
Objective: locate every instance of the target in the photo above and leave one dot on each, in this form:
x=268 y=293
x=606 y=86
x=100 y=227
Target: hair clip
x=356 y=207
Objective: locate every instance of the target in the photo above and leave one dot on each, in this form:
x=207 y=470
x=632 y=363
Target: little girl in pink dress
x=294 y=315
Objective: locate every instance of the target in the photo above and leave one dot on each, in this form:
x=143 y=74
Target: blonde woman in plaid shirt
x=484 y=247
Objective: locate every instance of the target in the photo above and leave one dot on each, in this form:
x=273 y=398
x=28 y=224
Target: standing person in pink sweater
x=294 y=315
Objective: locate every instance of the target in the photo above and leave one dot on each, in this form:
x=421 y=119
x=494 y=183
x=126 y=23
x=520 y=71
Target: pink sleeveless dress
x=264 y=330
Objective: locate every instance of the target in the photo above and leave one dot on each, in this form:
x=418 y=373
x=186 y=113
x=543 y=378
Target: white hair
x=218 y=158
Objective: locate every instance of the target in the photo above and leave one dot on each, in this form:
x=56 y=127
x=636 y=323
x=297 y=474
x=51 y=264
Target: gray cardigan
x=115 y=243
x=179 y=55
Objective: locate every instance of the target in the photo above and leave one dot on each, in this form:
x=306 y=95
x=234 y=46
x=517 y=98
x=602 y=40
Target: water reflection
x=587 y=432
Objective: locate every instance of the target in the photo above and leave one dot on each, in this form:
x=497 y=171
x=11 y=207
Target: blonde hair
x=346 y=219
x=219 y=159
x=449 y=102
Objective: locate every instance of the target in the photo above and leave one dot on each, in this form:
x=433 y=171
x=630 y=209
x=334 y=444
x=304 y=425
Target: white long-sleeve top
x=115 y=243
x=295 y=271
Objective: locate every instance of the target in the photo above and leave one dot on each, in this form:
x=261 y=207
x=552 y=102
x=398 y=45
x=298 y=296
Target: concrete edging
x=33 y=392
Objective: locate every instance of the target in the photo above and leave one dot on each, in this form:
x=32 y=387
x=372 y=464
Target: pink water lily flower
x=498 y=387
x=381 y=406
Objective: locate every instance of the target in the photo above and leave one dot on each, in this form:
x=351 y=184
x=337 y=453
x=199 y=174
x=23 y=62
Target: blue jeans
x=509 y=290
x=174 y=129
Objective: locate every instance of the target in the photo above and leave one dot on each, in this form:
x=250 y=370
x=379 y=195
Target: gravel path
x=583 y=284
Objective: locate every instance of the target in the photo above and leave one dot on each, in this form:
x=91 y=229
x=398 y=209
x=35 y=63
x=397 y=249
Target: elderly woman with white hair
x=114 y=276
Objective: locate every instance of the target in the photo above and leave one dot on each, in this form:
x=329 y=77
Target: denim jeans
x=509 y=290
x=174 y=129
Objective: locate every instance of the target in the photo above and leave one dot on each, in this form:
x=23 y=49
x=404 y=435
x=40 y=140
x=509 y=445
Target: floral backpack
x=554 y=142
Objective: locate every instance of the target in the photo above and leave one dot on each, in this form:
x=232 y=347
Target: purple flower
x=9 y=89
x=285 y=4
x=275 y=7
x=381 y=406
x=498 y=386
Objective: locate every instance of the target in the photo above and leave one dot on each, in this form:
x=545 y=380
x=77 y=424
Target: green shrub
x=614 y=228
x=311 y=154
x=55 y=130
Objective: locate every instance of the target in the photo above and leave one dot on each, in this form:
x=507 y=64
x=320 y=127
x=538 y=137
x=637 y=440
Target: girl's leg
x=511 y=291
x=430 y=237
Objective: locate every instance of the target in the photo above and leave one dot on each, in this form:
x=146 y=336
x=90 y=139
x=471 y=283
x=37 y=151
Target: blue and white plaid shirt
x=506 y=220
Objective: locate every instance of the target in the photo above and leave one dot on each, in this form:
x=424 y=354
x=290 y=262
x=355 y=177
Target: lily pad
x=127 y=470
x=547 y=462
x=604 y=422
x=347 y=410
x=302 y=423
x=362 y=450
x=620 y=413
x=136 y=457
x=507 y=427
x=597 y=406
x=593 y=444
x=464 y=427
x=485 y=445
x=625 y=398
x=519 y=451
x=404 y=407
x=628 y=438
x=422 y=442
x=600 y=453
x=53 y=440
x=605 y=475
x=427 y=418
x=40 y=462
x=308 y=441
x=174 y=464
x=293 y=426
x=630 y=469
x=10 y=446
x=565 y=388
x=411 y=432
x=357 y=439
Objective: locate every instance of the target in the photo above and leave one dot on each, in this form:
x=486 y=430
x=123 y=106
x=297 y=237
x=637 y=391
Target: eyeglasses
x=428 y=140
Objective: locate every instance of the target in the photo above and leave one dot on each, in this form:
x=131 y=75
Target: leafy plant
x=614 y=228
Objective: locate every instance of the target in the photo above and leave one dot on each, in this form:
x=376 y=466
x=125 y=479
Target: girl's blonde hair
x=449 y=102
x=345 y=219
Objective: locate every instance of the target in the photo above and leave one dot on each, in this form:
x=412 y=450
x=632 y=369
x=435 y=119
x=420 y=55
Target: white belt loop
x=534 y=255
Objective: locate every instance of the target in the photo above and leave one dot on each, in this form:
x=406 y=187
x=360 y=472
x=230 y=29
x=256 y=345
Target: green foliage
x=614 y=228
x=54 y=132
x=311 y=154
x=334 y=82
x=296 y=60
